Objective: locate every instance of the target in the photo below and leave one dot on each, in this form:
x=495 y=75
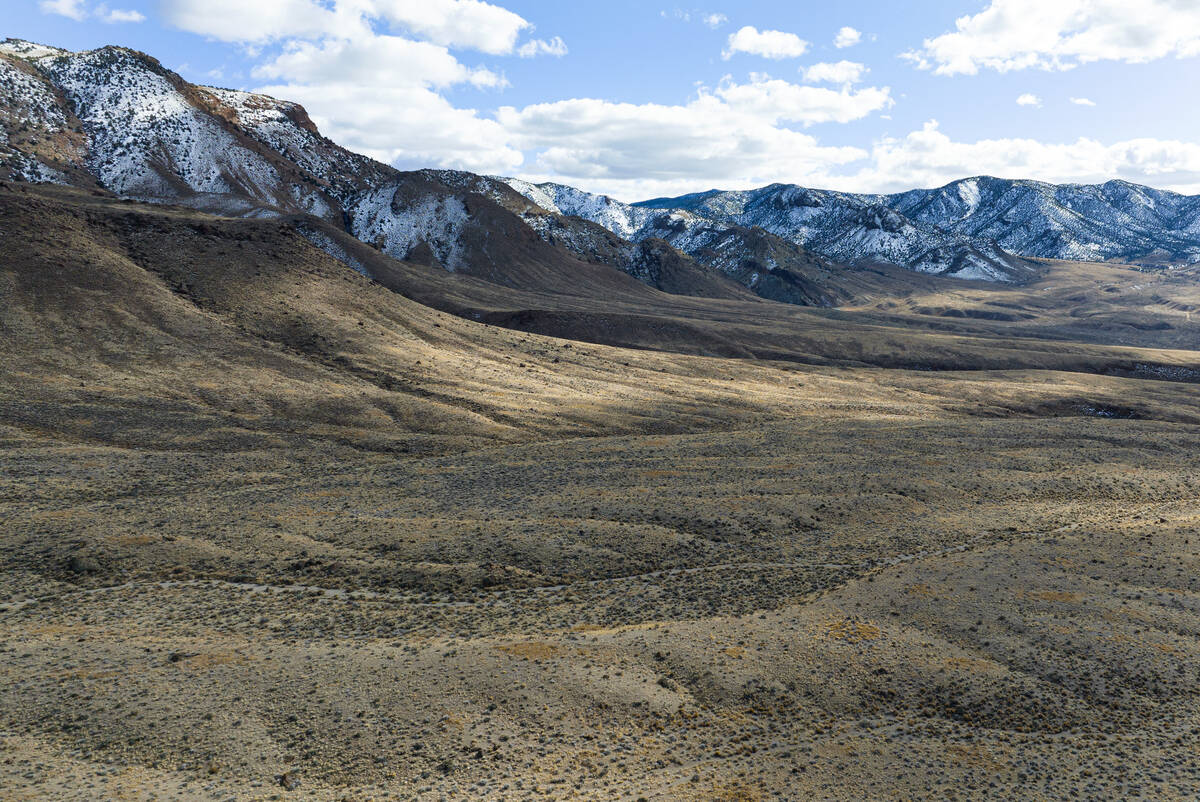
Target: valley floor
x=828 y=608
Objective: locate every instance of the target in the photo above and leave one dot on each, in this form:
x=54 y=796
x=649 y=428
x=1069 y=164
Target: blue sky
x=639 y=99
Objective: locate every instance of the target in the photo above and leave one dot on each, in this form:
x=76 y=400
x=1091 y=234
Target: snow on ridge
x=968 y=191
x=622 y=219
x=148 y=140
x=534 y=192
x=841 y=226
x=433 y=220
x=30 y=50
x=30 y=100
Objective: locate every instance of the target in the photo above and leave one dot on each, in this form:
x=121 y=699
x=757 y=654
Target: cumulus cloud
x=373 y=73
x=1028 y=99
x=241 y=21
x=715 y=20
x=847 y=37
x=629 y=149
x=540 y=47
x=408 y=126
x=1022 y=34
x=72 y=9
x=775 y=100
x=117 y=15
x=460 y=24
x=930 y=158
x=470 y=24
x=767 y=44
x=380 y=95
x=735 y=133
x=76 y=10
x=1082 y=101
x=377 y=61
x=841 y=72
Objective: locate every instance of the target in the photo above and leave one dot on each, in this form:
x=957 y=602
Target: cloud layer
x=1062 y=34
x=374 y=75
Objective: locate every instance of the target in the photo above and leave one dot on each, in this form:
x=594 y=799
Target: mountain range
x=116 y=120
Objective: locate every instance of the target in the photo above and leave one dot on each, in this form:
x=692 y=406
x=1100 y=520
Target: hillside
x=117 y=119
x=275 y=531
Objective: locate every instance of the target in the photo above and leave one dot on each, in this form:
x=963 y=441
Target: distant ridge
x=116 y=119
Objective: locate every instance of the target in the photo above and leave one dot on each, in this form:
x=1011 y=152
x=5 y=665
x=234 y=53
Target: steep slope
x=240 y=331
x=117 y=119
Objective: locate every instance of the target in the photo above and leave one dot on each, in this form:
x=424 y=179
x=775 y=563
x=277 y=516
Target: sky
x=645 y=99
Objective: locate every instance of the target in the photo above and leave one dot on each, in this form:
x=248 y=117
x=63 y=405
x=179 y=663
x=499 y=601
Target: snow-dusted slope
x=117 y=119
x=1115 y=220
x=620 y=218
x=969 y=224
x=124 y=122
x=842 y=227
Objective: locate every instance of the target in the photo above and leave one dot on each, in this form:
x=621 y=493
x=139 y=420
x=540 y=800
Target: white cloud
x=1082 y=101
x=715 y=20
x=462 y=24
x=734 y=134
x=768 y=44
x=408 y=126
x=76 y=10
x=1029 y=100
x=261 y=20
x=847 y=37
x=1022 y=34
x=118 y=15
x=930 y=158
x=378 y=94
x=841 y=72
x=471 y=24
x=377 y=61
x=775 y=101
x=540 y=47
x=66 y=8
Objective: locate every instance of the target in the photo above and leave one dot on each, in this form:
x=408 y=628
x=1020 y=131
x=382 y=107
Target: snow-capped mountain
x=116 y=119
x=1111 y=221
x=839 y=226
x=969 y=228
